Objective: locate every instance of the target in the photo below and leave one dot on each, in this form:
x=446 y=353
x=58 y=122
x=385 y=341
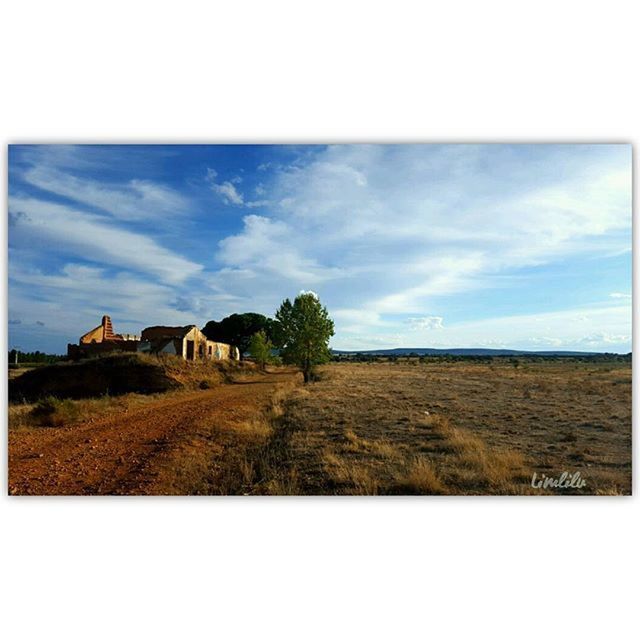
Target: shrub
x=421 y=479
x=52 y=412
x=260 y=348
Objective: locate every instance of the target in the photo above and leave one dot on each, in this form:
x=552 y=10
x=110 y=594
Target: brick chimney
x=107 y=328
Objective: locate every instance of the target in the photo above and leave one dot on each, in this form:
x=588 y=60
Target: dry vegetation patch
x=121 y=374
x=445 y=428
x=183 y=442
x=457 y=428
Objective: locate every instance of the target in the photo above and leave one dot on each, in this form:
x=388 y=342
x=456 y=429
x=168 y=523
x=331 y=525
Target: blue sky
x=518 y=246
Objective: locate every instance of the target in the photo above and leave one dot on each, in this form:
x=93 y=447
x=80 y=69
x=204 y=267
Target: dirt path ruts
x=117 y=455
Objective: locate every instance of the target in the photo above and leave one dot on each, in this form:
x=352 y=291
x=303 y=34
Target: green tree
x=260 y=348
x=238 y=328
x=304 y=329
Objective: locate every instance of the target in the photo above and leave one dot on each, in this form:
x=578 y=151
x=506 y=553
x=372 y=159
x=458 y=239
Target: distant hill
x=421 y=351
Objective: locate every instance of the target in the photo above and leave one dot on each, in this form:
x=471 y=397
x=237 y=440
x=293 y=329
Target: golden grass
x=499 y=468
x=421 y=479
x=356 y=478
x=457 y=428
x=389 y=429
x=428 y=429
x=238 y=458
x=58 y=412
x=55 y=412
x=450 y=429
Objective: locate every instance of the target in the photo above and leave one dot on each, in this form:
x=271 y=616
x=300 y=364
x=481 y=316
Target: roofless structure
x=188 y=343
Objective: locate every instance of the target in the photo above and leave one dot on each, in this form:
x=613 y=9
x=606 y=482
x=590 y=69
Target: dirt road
x=128 y=453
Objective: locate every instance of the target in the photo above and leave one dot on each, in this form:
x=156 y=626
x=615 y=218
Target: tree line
x=16 y=356
x=300 y=333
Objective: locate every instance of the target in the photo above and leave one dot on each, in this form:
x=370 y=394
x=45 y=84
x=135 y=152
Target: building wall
x=93 y=349
x=221 y=351
x=95 y=335
x=169 y=348
x=199 y=340
x=192 y=345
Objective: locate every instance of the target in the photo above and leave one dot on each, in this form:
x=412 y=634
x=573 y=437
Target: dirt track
x=125 y=453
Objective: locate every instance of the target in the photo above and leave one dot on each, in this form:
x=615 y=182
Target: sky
x=448 y=245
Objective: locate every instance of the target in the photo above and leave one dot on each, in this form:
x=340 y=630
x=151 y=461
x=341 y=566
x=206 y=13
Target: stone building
x=186 y=342
x=102 y=339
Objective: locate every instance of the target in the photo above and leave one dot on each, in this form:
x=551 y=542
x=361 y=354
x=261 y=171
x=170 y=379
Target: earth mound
x=118 y=374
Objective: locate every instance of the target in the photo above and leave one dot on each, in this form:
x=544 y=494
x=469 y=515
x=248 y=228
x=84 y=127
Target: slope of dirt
x=129 y=453
x=116 y=375
x=113 y=375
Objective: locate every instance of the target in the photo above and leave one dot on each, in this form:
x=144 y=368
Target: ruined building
x=101 y=340
x=187 y=342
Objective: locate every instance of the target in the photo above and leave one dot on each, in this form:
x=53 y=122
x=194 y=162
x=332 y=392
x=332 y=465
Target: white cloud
x=252 y=204
x=603 y=338
x=424 y=221
x=229 y=193
x=266 y=245
x=559 y=330
x=97 y=239
x=625 y=296
x=135 y=200
x=570 y=329
x=426 y=322
x=226 y=189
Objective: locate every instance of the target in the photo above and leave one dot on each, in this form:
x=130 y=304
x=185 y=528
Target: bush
x=260 y=348
x=52 y=412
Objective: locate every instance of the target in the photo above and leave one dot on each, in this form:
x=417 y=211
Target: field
x=435 y=428
x=462 y=428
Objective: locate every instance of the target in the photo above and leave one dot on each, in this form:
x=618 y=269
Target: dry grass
x=453 y=428
x=55 y=412
x=356 y=477
x=430 y=429
x=124 y=373
x=240 y=457
x=201 y=374
x=421 y=479
x=500 y=469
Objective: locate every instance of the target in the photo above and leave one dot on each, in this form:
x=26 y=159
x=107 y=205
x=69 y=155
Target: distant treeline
x=33 y=357
x=415 y=357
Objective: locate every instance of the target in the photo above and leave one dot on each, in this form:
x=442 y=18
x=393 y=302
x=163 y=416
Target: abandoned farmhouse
x=186 y=342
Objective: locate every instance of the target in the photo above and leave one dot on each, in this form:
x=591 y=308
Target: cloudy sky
x=518 y=246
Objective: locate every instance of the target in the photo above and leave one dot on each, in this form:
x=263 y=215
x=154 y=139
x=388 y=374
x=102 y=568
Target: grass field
x=458 y=428
x=435 y=428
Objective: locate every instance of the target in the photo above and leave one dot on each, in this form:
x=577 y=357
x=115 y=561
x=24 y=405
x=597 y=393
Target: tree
x=304 y=329
x=260 y=348
x=238 y=328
